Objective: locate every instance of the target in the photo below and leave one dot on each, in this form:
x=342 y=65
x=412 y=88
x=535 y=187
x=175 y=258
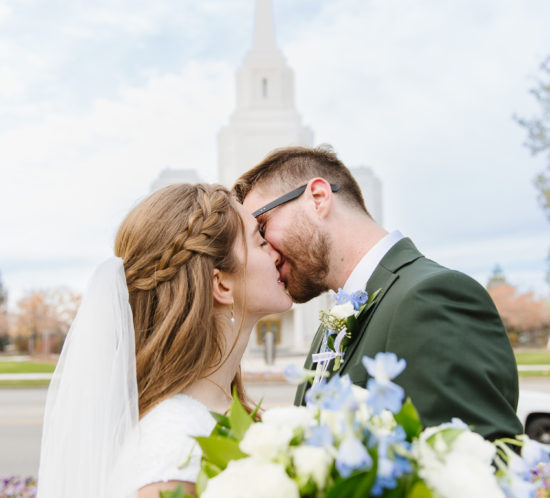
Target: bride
x=156 y=345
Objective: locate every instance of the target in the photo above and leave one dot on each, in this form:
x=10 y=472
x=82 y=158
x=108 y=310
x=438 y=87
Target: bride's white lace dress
x=167 y=451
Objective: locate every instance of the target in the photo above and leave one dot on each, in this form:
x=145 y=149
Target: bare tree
x=43 y=317
x=538 y=139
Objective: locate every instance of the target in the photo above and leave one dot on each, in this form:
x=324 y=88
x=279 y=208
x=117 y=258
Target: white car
x=534 y=413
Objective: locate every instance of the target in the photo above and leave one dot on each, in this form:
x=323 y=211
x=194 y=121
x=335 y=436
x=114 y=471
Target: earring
x=233 y=312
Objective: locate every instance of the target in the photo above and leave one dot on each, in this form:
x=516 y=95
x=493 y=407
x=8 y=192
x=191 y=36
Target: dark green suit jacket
x=444 y=324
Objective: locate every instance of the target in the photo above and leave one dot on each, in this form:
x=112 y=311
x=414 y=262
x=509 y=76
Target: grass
x=534 y=373
x=7 y=366
x=24 y=383
x=535 y=357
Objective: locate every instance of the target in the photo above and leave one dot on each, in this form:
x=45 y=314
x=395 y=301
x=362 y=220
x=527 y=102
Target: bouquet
x=354 y=442
x=17 y=487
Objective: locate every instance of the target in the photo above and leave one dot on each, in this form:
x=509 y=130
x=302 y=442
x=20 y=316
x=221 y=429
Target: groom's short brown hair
x=291 y=167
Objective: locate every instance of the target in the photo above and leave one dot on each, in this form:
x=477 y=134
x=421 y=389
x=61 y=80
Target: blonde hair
x=170 y=244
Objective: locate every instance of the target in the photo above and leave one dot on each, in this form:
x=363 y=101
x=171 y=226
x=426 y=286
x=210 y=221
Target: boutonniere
x=341 y=323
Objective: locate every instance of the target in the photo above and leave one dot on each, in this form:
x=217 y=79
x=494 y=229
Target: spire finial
x=264 y=29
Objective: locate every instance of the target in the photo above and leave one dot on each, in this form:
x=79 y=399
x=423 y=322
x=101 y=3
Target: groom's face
x=304 y=249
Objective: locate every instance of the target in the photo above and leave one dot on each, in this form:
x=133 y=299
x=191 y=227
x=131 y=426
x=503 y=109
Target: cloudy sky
x=96 y=98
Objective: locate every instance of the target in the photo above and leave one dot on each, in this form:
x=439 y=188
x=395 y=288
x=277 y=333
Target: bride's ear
x=222 y=287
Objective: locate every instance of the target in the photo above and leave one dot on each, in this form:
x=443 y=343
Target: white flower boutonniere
x=341 y=323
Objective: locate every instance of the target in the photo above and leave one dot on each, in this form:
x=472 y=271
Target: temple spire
x=264 y=29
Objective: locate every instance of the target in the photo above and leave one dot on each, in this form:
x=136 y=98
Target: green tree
x=538 y=139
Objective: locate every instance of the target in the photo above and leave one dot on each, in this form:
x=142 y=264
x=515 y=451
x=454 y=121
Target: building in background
x=265 y=118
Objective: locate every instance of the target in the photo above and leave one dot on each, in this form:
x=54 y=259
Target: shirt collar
x=366 y=266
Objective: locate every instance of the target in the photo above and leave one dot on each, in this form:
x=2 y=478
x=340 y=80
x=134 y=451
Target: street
x=21 y=413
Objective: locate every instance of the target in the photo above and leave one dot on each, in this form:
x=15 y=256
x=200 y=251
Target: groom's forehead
x=259 y=196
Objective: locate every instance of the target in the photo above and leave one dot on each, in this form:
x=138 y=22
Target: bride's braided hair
x=170 y=244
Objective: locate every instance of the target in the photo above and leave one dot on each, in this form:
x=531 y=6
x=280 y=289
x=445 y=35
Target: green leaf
x=351 y=323
x=239 y=418
x=220 y=450
x=372 y=297
x=221 y=420
x=208 y=471
x=202 y=481
x=420 y=490
x=254 y=414
x=355 y=486
x=410 y=421
x=176 y=493
x=222 y=431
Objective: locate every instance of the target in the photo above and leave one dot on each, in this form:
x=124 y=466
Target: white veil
x=91 y=415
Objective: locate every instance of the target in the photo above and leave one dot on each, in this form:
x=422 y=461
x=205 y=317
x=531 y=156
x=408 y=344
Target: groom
x=459 y=359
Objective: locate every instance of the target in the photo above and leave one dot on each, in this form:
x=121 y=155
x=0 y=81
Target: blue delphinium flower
x=384 y=367
x=455 y=423
x=358 y=298
x=294 y=374
x=341 y=297
x=320 y=436
x=352 y=455
x=391 y=465
x=384 y=396
x=333 y=395
x=516 y=483
x=534 y=453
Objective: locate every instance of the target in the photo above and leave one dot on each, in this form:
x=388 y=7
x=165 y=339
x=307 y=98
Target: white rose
x=291 y=417
x=336 y=421
x=251 y=478
x=342 y=311
x=363 y=412
x=461 y=469
x=265 y=440
x=314 y=462
x=473 y=445
x=459 y=476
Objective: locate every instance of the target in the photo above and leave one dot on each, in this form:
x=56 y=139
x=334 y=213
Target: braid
x=195 y=239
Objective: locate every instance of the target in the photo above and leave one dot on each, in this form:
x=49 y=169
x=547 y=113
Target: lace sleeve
x=167 y=451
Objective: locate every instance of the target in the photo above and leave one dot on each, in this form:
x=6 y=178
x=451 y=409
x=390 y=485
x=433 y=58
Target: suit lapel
x=384 y=276
x=381 y=279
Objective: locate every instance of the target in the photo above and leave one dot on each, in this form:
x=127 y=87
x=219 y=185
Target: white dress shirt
x=366 y=266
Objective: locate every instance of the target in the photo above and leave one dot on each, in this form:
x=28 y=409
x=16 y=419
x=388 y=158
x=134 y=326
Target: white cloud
x=5 y=12
x=424 y=92
x=71 y=178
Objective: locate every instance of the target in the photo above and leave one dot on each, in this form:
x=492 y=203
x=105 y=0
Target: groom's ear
x=321 y=195
x=222 y=287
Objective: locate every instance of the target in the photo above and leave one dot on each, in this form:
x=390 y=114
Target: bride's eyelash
x=264 y=243
x=262 y=232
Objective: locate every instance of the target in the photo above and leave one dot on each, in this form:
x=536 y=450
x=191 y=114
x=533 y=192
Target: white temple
x=266 y=118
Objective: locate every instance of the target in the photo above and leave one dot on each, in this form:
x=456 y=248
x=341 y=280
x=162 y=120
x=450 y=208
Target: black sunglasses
x=286 y=198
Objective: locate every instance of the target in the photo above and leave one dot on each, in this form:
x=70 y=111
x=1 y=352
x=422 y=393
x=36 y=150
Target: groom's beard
x=308 y=261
